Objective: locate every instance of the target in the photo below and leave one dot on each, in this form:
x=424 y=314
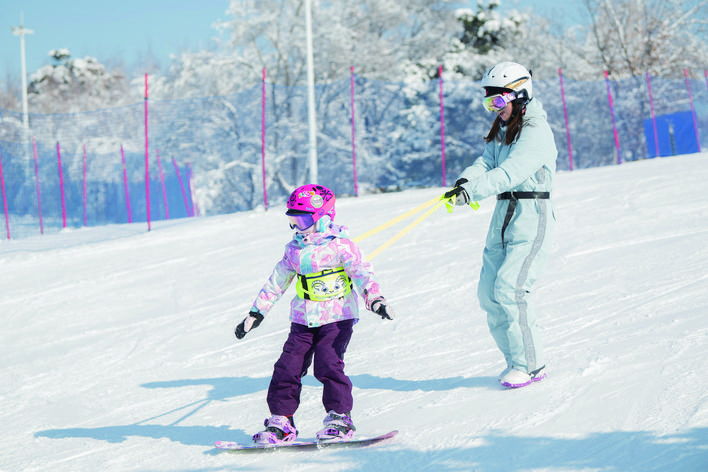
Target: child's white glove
x=380 y=307
x=251 y=321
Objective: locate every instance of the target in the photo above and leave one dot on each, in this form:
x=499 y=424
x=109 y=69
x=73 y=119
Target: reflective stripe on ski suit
x=307 y=253
x=511 y=267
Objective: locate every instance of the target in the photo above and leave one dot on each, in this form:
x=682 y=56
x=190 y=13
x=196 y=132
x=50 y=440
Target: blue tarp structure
x=676 y=134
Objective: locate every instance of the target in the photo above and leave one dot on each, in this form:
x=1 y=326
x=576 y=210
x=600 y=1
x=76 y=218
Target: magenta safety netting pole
x=125 y=185
x=693 y=110
x=85 y=188
x=36 y=178
x=653 y=116
x=61 y=187
x=147 y=162
x=442 y=125
x=356 y=179
x=4 y=199
x=263 y=133
x=565 y=114
x=162 y=182
x=181 y=186
x=614 y=122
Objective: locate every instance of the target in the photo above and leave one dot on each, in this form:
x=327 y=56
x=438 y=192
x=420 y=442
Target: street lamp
x=21 y=31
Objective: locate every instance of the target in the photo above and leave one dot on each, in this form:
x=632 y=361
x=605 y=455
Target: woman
x=518 y=166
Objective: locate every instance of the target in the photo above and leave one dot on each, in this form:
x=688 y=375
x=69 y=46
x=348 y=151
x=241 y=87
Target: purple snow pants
x=327 y=344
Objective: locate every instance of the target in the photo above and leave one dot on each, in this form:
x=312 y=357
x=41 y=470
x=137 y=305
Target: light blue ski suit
x=510 y=267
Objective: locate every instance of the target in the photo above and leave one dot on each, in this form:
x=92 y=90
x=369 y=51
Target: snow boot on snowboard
x=337 y=427
x=279 y=430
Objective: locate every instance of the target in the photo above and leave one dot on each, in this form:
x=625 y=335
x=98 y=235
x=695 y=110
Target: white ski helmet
x=509 y=76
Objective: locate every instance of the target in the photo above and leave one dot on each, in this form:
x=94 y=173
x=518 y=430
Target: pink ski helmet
x=311 y=201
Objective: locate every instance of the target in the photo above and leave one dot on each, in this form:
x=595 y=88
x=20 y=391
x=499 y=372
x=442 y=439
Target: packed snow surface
x=118 y=351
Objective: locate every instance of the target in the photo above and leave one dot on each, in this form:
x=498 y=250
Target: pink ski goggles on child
x=300 y=220
x=499 y=101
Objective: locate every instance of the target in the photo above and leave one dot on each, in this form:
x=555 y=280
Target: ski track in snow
x=118 y=352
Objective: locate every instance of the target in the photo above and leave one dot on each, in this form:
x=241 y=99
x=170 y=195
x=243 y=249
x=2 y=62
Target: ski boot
x=279 y=430
x=336 y=428
x=515 y=378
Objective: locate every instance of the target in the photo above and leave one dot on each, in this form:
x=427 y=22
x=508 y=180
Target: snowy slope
x=118 y=352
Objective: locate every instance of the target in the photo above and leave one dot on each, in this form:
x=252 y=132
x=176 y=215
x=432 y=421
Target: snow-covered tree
x=629 y=38
x=474 y=42
x=377 y=37
x=70 y=85
x=544 y=46
x=10 y=93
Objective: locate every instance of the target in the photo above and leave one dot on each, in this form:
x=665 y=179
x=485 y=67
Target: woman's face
x=505 y=113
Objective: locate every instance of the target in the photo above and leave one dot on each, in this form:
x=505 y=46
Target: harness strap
x=513 y=198
x=523 y=195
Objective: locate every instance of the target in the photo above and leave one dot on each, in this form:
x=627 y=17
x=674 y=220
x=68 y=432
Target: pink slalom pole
x=653 y=116
x=162 y=181
x=125 y=185
x=4 y=199
x=36 y=178
x=356 y=180
x=263 y=133
x=85 y=188
x=181 y=186
x=614 y=123
x=61 y=187
x=442 y=126
x=567 y=127
x=693 y=111
x=147 y=162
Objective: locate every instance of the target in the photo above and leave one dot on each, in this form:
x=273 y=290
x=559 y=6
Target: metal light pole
x=21 y=31
x=311 y=94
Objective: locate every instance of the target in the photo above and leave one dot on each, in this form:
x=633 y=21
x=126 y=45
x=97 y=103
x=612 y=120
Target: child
x=327 y=265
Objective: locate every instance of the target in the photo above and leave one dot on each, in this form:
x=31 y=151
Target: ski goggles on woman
x=300 y=221
x=499 y=101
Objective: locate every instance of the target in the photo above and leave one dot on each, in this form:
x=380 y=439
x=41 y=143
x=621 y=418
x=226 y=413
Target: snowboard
x=236 y=448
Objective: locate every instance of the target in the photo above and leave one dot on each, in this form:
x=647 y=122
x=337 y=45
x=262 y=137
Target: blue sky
x=127 y=29
x=122 y=29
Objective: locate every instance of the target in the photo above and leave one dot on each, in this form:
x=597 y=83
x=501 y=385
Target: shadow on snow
x=619 y=450
x=229 y=387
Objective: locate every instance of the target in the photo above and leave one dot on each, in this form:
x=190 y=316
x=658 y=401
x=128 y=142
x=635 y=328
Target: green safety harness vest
x=325 y=285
